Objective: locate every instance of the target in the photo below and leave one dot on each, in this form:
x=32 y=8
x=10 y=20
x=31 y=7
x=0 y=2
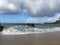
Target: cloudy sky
x=29 y=11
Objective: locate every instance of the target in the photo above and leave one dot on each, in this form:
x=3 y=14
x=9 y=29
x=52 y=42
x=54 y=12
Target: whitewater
x=19 y=29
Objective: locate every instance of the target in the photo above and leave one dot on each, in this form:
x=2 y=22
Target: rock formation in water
x=31 y=25
x=1 y=28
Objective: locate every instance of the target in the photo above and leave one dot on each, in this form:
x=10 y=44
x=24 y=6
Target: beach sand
x=52 y=38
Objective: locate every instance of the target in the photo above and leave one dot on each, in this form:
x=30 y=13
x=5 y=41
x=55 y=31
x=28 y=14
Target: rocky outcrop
x=1 y=28
x=57 y=22
x=30 y=24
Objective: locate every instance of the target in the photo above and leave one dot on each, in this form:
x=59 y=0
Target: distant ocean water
x=23 y=29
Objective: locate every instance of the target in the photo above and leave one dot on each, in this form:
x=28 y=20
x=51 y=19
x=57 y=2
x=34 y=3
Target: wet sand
x=31 y=39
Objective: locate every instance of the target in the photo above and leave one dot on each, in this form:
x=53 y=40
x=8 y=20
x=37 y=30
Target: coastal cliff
x=57 y=22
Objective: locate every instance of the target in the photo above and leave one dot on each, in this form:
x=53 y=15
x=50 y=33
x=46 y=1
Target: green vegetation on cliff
x=57 y=22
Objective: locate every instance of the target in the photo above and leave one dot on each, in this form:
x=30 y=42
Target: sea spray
x=17 y=30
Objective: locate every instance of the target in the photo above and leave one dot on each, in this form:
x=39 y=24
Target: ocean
x=41 y=34
x=15 y=29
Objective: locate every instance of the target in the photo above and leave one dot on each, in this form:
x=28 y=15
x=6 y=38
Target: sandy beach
x=52 y=38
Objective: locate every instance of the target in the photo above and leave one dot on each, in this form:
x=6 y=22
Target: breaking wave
x=17 y=30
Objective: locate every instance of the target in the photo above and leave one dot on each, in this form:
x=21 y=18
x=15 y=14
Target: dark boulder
x=1 y=28
x=31 y=25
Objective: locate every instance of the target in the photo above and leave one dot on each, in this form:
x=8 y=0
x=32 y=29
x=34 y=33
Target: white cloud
x=11 y=6
x=33 y=7
x=6 y=7
x=41 y=19
x=32 y=20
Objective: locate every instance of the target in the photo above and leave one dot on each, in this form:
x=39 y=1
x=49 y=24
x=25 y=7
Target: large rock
x=1 y=28
x=31 y=25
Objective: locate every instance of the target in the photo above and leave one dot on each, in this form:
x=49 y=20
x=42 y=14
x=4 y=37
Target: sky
x=29 y=11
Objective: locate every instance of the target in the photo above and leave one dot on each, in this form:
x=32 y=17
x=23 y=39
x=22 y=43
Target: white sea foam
x=30 y=30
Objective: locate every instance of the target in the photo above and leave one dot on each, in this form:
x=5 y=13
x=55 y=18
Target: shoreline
x=51 y=38
x=29 y=33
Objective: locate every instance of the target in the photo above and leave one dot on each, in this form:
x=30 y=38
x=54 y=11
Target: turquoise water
x=39 y=28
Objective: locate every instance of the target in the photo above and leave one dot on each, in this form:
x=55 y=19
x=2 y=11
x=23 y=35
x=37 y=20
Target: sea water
x=23 y=29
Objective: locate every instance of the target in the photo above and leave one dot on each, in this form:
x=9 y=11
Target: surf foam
x=27 y=30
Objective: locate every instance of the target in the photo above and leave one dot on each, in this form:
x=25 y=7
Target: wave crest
x=17 y=30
